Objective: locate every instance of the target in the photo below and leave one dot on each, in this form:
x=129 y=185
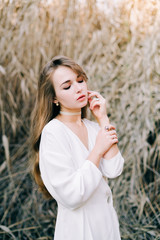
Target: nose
x=78 y=87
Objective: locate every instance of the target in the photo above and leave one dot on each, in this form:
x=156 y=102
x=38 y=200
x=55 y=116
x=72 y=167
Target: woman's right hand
x=105 y=139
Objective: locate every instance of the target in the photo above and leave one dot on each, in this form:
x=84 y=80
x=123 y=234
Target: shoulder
x=54 y=134
x=53 y=128
x=53 y=138
x=52 y=125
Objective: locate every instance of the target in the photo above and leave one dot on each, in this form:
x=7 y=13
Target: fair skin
x=69 y=87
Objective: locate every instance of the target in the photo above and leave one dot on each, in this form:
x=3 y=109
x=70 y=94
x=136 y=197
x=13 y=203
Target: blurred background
x=118 y=44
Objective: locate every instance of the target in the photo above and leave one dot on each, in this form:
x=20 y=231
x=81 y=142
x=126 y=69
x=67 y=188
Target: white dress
x=85 y=207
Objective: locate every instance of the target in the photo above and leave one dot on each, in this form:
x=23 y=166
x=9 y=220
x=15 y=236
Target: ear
x=54 y=100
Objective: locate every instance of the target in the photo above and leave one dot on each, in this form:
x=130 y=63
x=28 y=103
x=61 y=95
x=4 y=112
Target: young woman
x=75 y=156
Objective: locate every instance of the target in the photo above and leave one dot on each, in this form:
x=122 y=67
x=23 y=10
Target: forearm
x=104 y=121
x=114 y=148
x=95 y=156
x=111 y=152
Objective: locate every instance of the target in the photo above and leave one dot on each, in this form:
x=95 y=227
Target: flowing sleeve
x=113 y=167
x=69 y=186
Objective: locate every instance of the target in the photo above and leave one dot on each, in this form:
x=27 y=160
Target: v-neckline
x=68 y=128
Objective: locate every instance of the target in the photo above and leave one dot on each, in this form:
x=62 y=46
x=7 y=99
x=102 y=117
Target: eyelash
x=70 y=85
x=66 y=88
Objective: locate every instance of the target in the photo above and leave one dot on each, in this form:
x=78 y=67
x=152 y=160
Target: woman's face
x=70 y=89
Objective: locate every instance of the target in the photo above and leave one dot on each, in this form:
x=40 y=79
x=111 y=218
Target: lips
x=82 y=96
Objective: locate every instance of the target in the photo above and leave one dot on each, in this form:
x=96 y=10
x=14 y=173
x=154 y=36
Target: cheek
x=85 y=86
x=64 y=96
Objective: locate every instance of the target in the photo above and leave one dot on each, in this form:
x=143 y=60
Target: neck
x=70 y=113
x=70 y=117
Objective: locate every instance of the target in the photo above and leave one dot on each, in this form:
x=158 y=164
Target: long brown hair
x=45 y=110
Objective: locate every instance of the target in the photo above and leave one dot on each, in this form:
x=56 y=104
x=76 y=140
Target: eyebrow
x=65 y=82
x=69 y=80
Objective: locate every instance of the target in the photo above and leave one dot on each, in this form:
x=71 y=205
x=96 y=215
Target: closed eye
x=67 y=88
x=81 y=81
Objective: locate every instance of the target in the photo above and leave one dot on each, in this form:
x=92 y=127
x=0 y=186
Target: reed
x=119 y=47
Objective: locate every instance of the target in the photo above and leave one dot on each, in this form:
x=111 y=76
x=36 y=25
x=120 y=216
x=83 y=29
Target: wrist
x=103 y=121
x=97 y=152
x=95 y=156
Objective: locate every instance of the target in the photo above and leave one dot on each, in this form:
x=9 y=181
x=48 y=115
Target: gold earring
x=57 y=104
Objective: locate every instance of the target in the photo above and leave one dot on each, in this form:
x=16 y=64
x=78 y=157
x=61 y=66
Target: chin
x=84 y=104
x=78 y=106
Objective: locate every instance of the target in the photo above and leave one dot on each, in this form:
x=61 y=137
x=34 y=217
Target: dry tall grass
x=119 y=47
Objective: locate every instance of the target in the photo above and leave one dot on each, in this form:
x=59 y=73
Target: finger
x=90 y=91
x=91 y=98
x=111 y=127
x=112 y=136
x=114 y=141
x=94 y=103
x=92 y=94
x=112 y=132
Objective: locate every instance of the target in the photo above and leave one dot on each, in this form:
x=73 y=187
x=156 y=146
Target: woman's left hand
x=97 y=105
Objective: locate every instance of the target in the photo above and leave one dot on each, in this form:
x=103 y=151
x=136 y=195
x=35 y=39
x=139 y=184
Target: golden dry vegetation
x=119 y=47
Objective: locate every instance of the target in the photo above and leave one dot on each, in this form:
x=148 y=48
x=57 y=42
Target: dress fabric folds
x=85 y=206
